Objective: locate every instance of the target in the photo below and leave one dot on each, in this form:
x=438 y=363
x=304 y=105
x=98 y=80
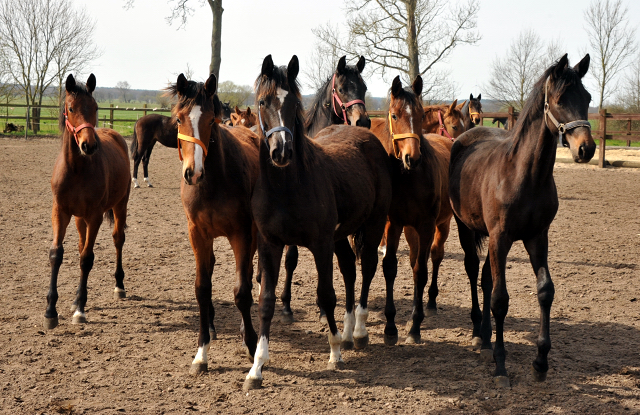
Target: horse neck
x=322 y=114
x=281 y=179
x=431 y=123
x=216 y=157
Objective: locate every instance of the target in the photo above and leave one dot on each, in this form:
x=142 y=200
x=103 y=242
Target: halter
x=75 y=130
x=442 y=130
x=267 y=134
x=335 y=98
x=562 y=128
x=395 y=137
x=194 y=140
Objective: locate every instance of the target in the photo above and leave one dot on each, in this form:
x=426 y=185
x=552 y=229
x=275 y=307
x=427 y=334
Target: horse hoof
x=287 y=317
x=136 y=186
x=413 y=339
x=50 y=323
x=486 y=355
x=538 y=376
x=339 y=365
x=346 y=345
x=79 y=319
x=251 y=384
x=362 y=342
x=323 y=319
x=198 y=368
x=502 y=382
x=149 y=185
x=431 y=312
x=119 y=293
x=390 y=340
x=476 y=343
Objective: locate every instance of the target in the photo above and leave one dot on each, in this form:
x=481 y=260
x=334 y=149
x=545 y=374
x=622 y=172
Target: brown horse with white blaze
x=502 y=186
x=245 y=118
x=91 y=178
x=220 y=168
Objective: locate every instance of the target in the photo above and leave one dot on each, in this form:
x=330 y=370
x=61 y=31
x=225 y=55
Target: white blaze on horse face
x=408 y=109
x=198 y=155
x=201 y=356
x=282 y=94
x=261 y=357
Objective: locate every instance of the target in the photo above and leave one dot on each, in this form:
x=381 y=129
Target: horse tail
x=108 y=215
x=134 y=142
x=358 y=242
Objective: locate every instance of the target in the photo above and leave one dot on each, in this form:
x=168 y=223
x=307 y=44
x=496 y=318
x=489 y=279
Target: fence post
x=603 y=136
x=111 y=117
x=510 y=118
x=145 y=109
x=26 y=125
x=629 y=131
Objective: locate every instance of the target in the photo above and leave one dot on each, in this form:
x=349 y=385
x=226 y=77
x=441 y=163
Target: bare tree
x=123 y=88
x=38 y=40
x=611 y=40
x=406 y=36
x=181 y=11
x=321 y=64
x=629 y=96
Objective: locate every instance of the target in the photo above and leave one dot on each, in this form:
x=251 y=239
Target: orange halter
x=396 y=137
x=192 y=140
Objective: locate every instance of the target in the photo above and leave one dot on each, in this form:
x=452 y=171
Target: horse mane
x=79 y=88
x=265 y=85
x=533 y=108
x=195 y=95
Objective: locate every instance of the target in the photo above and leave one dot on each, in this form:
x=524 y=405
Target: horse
x=446 y=120
x=315 y=193
x=501 y=120
x=244 y=118
x=226 y=111
x=420 y=201
x=340 y=100
x=91 y=178
x=219 y=172
x=148 y=130
x=471 y=112
x=501 y=186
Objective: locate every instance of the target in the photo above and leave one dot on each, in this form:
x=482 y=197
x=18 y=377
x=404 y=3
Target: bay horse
x=446 y=120
x=471 y=112
x=420 y=201
x=219 y=171
x=501 y=187
x=91 y=178
x=315 y=193
x=148 y=130
x=244 y=118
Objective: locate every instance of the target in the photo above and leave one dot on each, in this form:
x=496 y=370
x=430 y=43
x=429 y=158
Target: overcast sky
x=140 y=47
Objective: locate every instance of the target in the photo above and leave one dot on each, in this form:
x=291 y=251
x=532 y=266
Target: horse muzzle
x=193 y=176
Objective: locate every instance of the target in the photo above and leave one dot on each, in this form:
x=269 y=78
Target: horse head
x=566 y=107
x=197 y=112
x=245 y=118
x=348 y=92
x=81 y=114
x=278 y=103
x=405 y=122
x=453 y=120
x=475 y=108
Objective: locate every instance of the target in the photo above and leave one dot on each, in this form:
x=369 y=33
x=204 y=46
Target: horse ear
x=396 y=86
x=342 y=63
x=237 y=110
x=248 y=111
x=360 y=64
x=71 y=83
x=583 y=66
x=292 y=71
x=452 y=106
x=417 y=86
x=211 y=85
x=91 y=83
x=479 y=97
x=561 y=66
x=234 y=118
x=470 y=97
x=181 y=84
x=460 y=106
x=267 y=66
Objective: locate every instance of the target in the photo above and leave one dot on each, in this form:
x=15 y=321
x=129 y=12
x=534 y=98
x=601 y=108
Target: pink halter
x=442 y=130
x=344 y=107
x=75 y=130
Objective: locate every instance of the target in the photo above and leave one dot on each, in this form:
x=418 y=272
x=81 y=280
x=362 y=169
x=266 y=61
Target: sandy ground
x=133 y=356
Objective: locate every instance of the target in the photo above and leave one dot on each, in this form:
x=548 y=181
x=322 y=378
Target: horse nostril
x=582 y=151
x=188 y=174
x=407 y=160
x=84 y=147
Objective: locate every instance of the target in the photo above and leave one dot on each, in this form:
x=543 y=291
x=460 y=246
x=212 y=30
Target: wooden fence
x=602 y=132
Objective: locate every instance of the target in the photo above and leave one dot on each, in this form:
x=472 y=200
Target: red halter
x=344 y=107
x=442 y=130
x=75 y=130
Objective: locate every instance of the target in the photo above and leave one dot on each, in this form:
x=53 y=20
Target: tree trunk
x=412 y=41
x=216 y=35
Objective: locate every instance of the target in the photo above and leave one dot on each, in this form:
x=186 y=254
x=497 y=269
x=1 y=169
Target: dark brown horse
x=219 y=169
x=446 y=120
x=90 y=179
x=420 y=202
x=314 y=193
x=471 y=112
x=147 y=131
x=244 y=118
x=501 y=186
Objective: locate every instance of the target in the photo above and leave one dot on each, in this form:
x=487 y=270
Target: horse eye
x=341 y=90
x=178 y=121
x=455 y=127
x=70 y=109
x=394 y=117
x=261 y=102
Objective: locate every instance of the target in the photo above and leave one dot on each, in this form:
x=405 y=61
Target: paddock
x=133 y=356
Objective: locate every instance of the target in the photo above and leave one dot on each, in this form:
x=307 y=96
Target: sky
x=139 y=46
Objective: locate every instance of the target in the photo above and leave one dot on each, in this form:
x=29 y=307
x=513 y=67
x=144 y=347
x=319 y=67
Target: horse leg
x=538 y=250
x=390 y=270
x=145 y=164
x=205 y=261
x=60 y=221
x=119 y=225
x=499 y=247
x=437 y=255
x=269 y=256
x=472 y=266
x=241 y=245
x=420 y=278
x=290 y=264
x=86 y=264
x=347 y=264
x=136 y=162
x=81 y=226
